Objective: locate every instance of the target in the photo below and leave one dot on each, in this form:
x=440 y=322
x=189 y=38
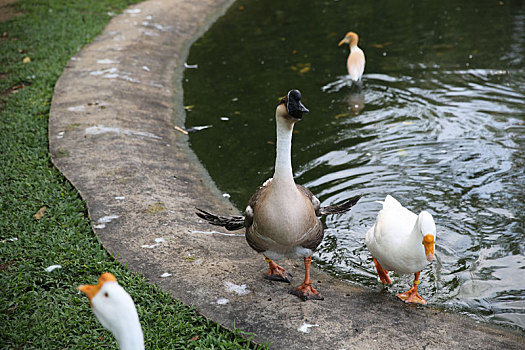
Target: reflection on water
x=356 y=96
x=438 y=122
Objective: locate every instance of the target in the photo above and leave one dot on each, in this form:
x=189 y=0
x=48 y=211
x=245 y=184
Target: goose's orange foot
x=306 y=292
x=277 y=273
x=412 y=296
x=382 y=273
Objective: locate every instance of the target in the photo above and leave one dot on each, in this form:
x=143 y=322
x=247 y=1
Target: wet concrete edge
x=111 y=133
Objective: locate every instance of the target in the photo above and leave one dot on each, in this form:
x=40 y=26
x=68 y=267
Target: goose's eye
x=106 y=294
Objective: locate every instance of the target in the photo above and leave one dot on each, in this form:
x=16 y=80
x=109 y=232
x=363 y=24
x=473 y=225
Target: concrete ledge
x=111 y=133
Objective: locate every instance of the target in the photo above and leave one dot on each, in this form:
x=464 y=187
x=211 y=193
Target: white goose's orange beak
x=428 y=242
x=90 y=290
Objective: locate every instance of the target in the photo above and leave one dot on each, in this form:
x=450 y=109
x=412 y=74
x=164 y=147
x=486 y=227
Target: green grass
x=43 y=310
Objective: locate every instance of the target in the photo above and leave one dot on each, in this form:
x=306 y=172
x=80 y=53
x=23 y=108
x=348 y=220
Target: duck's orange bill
x=428 y=242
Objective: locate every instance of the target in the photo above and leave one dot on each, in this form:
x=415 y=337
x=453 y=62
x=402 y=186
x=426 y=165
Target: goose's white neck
x=131 y=338
x=423 y=226
x=125 y=326
x=116 y=311
x=283 y=161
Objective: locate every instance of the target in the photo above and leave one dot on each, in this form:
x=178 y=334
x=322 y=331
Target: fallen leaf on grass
x=17 y=87
x=26 y=59
x=40 y=213
x=194 y=338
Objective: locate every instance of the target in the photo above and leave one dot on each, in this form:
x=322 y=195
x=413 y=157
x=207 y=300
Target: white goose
x=116 y=311
x=356 y=59
x=403 y=242
x=281 y=218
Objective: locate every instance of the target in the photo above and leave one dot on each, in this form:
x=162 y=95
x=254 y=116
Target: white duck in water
x=116 y=311
x=403 y=242
x=281 y=218
x=356 y=59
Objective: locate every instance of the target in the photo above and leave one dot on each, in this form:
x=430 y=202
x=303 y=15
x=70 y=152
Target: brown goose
x=281 y=218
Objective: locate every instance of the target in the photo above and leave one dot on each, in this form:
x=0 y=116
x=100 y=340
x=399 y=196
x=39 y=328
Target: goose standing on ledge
x=356 y=59
x=281 y=218
x=116 y=311
x=403 y=242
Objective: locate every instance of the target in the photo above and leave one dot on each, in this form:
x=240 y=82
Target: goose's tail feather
x=231 y=223
x=341 y=208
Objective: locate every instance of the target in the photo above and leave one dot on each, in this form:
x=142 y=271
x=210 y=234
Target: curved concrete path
x=111 y=133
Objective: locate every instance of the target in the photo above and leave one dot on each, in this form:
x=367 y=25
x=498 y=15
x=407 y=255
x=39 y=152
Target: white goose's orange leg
x=305 y=291
x=412 y=296
x=276 y=272
x=382 y=273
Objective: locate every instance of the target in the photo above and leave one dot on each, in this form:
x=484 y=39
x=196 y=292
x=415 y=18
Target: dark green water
x=439 y=124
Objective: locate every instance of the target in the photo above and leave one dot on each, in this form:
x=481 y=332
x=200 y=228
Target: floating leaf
x=304 y=70
x=341 y=115
x=402 y=153
x=301 y=68
x=40 y=213
x=178 y=128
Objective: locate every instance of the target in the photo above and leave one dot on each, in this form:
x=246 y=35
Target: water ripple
x=452 y=144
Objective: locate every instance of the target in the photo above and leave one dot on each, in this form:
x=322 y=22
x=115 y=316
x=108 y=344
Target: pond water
x=439 y=123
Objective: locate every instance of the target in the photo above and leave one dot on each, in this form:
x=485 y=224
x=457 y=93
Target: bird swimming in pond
x=403 y=242
x=356 y=59
x=282 y=218
x=115 y=309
